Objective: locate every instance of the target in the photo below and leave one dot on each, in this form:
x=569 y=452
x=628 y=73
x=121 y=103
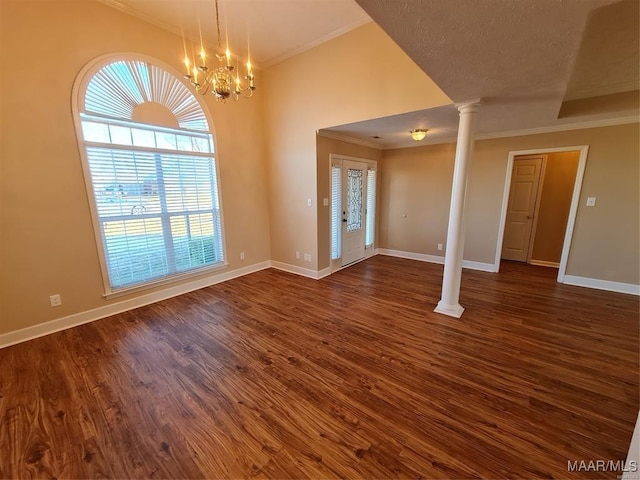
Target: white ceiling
x=275 y=29
x=535 y=64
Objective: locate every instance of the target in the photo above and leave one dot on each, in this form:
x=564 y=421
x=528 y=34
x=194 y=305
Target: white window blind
x=155 y=188
x=371 y=208
x=336 y=211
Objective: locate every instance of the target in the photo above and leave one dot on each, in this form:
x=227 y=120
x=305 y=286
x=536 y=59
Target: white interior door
x=354 y=176
x=525 y=180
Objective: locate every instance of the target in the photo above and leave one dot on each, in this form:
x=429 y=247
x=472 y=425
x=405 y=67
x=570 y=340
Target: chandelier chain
x=218 y=25
x=222 y=80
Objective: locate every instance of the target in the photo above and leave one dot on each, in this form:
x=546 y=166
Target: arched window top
x=138 y=91
x=151 y=173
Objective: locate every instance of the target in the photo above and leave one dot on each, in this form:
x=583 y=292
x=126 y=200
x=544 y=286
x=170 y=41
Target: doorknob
x=528 y=217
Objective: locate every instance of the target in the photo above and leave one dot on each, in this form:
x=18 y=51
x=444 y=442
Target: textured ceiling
x=487 y=48
x=519 y=57
x=610 y=41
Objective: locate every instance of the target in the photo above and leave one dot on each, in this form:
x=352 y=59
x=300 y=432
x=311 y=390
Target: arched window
x=151 y=173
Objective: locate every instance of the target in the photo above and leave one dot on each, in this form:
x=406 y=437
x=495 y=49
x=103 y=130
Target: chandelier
x=222 y=79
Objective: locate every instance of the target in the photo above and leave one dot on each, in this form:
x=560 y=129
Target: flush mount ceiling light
x=418 y=134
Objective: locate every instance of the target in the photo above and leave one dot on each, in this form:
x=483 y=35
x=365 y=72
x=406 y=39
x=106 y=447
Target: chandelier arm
x=204 y=88
x=222 y=81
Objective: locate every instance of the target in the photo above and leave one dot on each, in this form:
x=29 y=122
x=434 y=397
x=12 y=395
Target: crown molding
x=142 y=16
x=260 y=66
x=348 y=139
x=610 y=122
x=115 y=4
x=330 y=36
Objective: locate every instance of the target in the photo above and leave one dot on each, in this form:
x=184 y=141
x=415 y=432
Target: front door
x=525 y=179
x=354 y=175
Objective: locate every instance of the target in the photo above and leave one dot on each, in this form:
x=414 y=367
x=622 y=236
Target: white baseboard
x=619 y=287
x=423 y=257
x=305 y=272
x=489 y=267
x=325 y=272
x=337 y=267
x=544 y=263
x=52 y=326
x=315 y=274
x=483 y=267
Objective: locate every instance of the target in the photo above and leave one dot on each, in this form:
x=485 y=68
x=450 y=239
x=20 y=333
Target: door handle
x=344 y=220
x=528 y=217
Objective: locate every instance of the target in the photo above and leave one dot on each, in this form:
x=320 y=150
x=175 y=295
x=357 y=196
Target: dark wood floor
x=276 y=376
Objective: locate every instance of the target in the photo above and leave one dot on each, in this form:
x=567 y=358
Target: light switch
x=325 y=202
x=591 y=201
x=308 y=202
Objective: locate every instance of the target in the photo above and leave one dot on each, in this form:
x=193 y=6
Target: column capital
x=472 y=106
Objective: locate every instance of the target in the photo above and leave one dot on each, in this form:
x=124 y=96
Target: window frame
x=335 y=223
x=78 y=110
x=370 y=216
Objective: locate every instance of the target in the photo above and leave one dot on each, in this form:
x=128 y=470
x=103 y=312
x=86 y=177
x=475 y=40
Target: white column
x=449 y=303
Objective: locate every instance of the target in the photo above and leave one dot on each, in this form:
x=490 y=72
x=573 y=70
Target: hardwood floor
x=277 y=376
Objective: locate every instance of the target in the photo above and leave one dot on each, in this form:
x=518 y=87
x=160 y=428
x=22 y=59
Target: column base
x=450 y=310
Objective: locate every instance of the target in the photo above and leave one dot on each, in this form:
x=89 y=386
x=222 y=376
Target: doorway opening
x=540 y=201
x=353 y=202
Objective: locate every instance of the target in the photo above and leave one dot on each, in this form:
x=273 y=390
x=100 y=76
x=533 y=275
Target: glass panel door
x=353 y=213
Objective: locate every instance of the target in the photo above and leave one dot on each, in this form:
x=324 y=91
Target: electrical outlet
x=56 y=300
x=298 y=255
x=591 y=201
x=307 y=257
x=325 y=202
x=439 y=246
x=241 y=255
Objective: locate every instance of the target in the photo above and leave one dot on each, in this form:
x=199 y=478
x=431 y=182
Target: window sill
x=165 y=281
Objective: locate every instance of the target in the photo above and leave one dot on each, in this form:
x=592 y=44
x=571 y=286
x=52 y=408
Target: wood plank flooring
x=276 y=376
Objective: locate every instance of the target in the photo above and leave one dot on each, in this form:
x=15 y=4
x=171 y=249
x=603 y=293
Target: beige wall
x=47 y=244
x=415 y=192
x=341 y=81
x=605 y=243
x=326 y=147
x=47 y=241
x=555 y=203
